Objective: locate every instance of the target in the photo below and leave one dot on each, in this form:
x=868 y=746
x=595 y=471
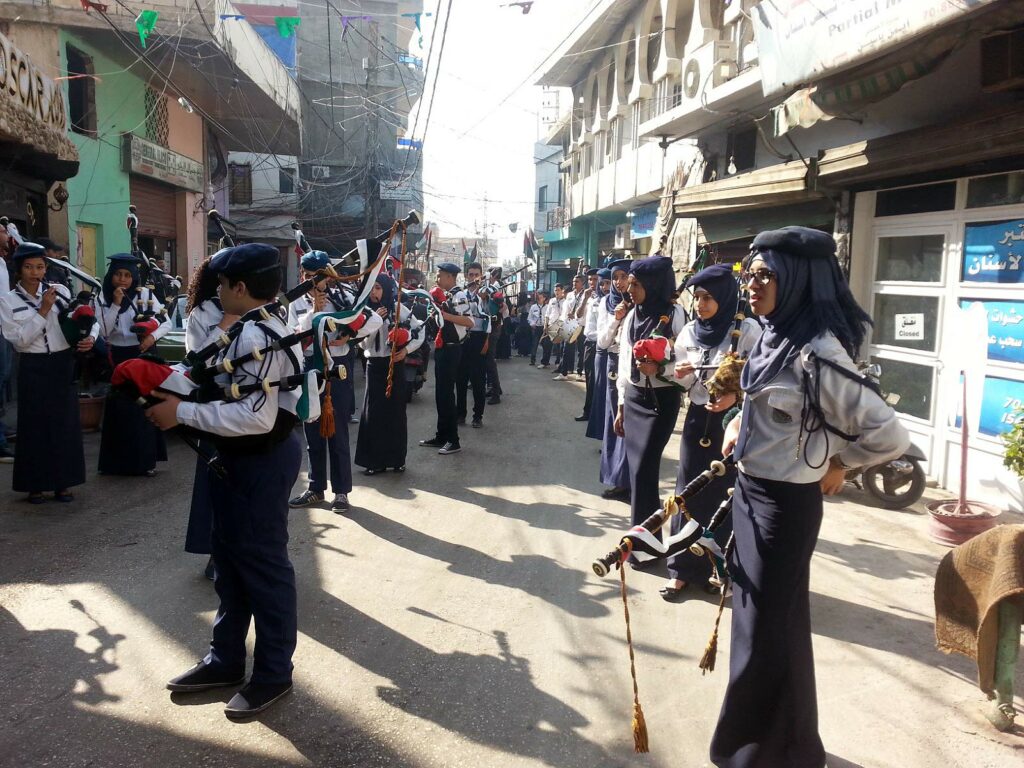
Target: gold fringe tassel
x=640 y=741
x=327 y=411
x=707 y=661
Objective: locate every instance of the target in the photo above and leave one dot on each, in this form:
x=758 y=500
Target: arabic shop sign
x=799 y=41
x=993 y=252
x=641 y=223
x=999 y=405
x=22 y=83
x=148 y=159
x=1005 y=329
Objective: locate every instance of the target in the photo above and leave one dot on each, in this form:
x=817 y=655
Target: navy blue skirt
x=129 y=445
x=614 y=464
x=649 y=418
x=598 y=413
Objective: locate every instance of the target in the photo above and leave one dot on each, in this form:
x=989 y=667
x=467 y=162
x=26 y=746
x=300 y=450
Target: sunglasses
x=760 y=276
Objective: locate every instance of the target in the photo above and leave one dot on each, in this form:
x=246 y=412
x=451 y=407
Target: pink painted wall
x=185 y=136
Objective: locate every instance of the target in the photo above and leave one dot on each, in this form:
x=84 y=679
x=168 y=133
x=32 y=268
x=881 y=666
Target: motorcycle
x=899 y=482
x=416 y=365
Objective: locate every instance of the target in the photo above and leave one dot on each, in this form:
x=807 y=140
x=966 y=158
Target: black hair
x=559 y=285
x=475 y=265
x=202 y=287
x=260 y=285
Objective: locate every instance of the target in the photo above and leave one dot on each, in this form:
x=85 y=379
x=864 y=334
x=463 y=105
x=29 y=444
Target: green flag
x=145 y=23
x=286 y=25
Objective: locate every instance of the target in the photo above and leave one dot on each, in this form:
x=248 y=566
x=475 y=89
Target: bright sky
x=475 y=145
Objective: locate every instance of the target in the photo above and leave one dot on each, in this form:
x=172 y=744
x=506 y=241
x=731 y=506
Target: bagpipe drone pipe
x=642 y=542
x=164 y=286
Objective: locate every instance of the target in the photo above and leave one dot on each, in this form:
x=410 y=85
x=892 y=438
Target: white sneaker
x=559 y=377
x=541 y=367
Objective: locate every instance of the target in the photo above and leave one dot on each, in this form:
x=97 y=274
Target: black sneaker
x=461 y=421
x=254 y=698
x=450 y=448
x=477 y=423
x=493 y=400
x=582 y=417
x=340 y=503
x=307 y=499
x=203 y=677
x=434 y=442
x=210 y=571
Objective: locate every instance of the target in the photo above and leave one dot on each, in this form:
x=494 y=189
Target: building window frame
x=81 y=91
x=240 y=183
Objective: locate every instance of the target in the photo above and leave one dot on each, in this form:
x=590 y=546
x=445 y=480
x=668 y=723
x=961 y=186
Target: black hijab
x=656 y=276
x=389 y=295
x=812 y=298
x=121 y=261
x=718 y=281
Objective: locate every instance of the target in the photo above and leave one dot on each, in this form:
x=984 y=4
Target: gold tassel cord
x=398 y=306
x=640 y=741
x=327 y=411
x=707 y=661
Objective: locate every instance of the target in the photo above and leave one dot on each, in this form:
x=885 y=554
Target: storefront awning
x=739 y=226
x=776 y=185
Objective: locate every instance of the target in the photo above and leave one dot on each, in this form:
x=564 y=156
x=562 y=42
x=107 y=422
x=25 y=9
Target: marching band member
x=48 y=455
x=383 y=433
x=454 y=305
x=571 y=309
x=473 y=362
x=611 y=310
x=328 y=451
x=497 y=308
x=589 y=339
x=552 y=313
x=699 y=348
x=131 y=320
x=205 y=320
x=261 y=457
x=648 y=402
x=535 y=321
x=807 y=417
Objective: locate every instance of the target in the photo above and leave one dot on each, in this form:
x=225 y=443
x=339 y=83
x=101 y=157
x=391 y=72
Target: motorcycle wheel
x=894 y=490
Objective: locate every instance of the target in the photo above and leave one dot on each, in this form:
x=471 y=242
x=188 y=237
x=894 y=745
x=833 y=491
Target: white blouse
x=626 y=354
x=26 y=329
x=688 y=350
x=116 y=326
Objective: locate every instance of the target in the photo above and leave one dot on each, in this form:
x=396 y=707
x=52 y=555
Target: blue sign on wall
x=642 y=222
x=1005 y=329
x=993 y=252
x=999 y=404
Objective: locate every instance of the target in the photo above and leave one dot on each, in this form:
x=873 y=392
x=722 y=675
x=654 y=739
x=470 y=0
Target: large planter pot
x=90 y=412
x=947 y=525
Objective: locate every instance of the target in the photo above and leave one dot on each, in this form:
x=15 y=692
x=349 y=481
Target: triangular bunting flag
x=286 y=25
x=145 y=23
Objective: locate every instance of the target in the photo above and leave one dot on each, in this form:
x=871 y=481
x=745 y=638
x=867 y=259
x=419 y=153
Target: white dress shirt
x=771 y=445
x=535 y=317
x=626 y=354
x=553 y=311
x=116 y=326
x=607 y=329
x=459 y=304
x=26 y=329
x=202 y=326
x=688 y=350
x=590 y=326
x=256 y=413
x=377 y=343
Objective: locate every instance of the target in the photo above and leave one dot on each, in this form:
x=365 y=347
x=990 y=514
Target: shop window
x=157 y=122
x=81 y=92
x=542 y=198
x=286 y=180
x=927 y=198
x=912 y=382
x=910 y=258
x=906 y=321
x=1002 y=189
x=240 y=180
x=741 y=146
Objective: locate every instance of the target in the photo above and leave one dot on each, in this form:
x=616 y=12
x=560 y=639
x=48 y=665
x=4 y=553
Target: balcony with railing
x=558 y=218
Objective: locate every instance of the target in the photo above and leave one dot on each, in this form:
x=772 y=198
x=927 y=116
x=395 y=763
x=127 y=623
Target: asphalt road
x=451 y=619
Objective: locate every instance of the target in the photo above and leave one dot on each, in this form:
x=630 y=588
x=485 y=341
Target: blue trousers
x=333 y=451
x=255 y=578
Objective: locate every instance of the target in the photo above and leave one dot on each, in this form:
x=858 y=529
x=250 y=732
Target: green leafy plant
x=1013 y=455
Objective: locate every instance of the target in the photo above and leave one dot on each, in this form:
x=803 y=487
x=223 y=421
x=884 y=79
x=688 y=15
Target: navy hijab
x=121 y=261
x=656 y=276
x=614 y=296
x=718 y=281
x=390 y=294
x=812 y=298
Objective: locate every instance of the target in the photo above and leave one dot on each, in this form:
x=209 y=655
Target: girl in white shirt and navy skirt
x=129 y=444
x=807 y=417
x=48 y=455
x=648 y=399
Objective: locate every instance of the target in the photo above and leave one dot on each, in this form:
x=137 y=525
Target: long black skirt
x=200 y=513
x=771 y=663
x=48 y=455
x=382 y=427
x=693 y=459
x=129 y=445
x=598 y=404
x=614 y=464
x=649 y=416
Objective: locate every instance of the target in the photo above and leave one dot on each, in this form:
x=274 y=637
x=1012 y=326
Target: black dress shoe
x=434 y=442
x=254 y=698
x=615 y=493
x=582 y=417
x=203 y=677
x=461 y=421
x=493 y=400
x=210 y=570
x=477 y=423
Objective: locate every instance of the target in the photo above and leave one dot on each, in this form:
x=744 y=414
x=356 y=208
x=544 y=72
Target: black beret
x=28 y=250
x=124 y=258
x=592 y=271
x=248 y=259
x=447 y=266
x=48 y=244
x=802 y=242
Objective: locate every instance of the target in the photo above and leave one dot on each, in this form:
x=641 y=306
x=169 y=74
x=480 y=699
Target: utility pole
x=372 y=188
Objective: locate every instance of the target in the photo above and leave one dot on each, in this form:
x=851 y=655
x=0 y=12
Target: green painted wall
x=99 y=193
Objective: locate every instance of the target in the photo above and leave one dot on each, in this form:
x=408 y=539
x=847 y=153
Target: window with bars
x=286 y=180
x=157 y=125
x=81 y=92
x=240 y=180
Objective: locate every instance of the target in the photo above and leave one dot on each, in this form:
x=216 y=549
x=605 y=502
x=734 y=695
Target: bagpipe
x=642 y=543
x=227 y=240
x=77 y=317
x=162 y=285
x=726 y=378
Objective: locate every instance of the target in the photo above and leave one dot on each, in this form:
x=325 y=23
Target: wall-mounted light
x=731 y=167
x=183 y=102
x=60 y=196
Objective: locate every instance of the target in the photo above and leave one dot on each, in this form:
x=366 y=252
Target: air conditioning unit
x=1002 y=61
x=622 y=238
x=710 y=65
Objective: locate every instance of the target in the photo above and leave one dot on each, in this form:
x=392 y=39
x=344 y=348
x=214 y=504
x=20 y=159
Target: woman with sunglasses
x=701 y=346
x=807 y=418
x=648 y=402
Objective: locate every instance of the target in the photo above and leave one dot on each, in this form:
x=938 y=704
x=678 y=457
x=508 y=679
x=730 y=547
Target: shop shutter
x=156 y=206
